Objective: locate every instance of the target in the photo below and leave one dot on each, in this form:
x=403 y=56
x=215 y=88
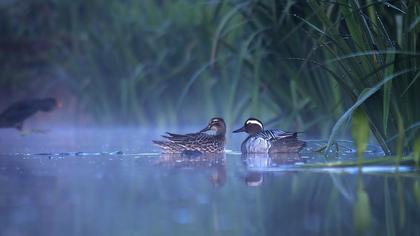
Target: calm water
x=114 y=182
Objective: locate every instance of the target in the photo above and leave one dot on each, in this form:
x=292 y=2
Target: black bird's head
x=48 y=104
x=252 y=126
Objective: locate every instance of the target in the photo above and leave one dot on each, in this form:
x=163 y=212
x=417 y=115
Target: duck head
x=252 y=126
x=216 y=124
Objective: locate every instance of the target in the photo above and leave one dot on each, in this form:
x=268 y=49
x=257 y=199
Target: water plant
x=301 y=65
x=354 y=55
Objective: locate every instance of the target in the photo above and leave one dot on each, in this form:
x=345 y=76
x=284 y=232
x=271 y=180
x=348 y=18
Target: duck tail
x=166 y=146
x=162 y=144
x=297 y=133
x=174 y=135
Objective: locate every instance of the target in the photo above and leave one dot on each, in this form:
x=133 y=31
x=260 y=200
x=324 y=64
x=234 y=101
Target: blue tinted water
x=114 y=182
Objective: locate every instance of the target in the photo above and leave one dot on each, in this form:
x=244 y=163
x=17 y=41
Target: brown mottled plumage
x=200 y=141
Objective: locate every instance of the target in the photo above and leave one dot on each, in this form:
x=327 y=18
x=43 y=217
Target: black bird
x=17 y=113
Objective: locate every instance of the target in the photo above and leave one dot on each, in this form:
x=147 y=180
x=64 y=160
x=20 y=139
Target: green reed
x=298 y=65
x=352 y=55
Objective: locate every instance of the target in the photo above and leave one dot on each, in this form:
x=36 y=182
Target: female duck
x=196 y=142
x=268 y=141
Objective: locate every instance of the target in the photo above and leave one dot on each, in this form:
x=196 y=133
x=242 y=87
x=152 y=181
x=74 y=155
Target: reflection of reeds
x=362 y=215
x=302 y=64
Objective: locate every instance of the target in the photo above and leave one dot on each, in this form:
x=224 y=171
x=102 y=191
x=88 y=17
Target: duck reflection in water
x=258 y=165
x=211 y=162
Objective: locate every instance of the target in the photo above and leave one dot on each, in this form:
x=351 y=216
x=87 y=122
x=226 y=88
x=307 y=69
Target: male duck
x=196 y=142
x=268 y=141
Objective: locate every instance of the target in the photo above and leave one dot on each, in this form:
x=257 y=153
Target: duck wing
x=176 y=143
x=276 y=134
x=284 y=142
x=187 y=138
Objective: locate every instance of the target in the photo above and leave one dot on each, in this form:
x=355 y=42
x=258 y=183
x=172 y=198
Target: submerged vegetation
x=303 y=65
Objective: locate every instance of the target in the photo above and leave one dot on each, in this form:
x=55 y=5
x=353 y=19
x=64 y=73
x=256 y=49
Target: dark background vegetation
x=297 y=65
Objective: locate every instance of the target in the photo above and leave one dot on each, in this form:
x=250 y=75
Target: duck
x=15 y=115
x=268 y=141
x=199 y=142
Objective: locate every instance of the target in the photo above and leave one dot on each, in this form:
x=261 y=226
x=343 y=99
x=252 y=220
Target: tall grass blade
x=360 y=132
x=416 y=152
x=362 y=98
x=400 y=140
x=389 y=70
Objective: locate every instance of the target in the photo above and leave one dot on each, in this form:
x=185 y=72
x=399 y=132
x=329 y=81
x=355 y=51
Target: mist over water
x=343 y=73
x=114 y=181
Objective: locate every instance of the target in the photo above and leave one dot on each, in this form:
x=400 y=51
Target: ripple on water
x=345 y=153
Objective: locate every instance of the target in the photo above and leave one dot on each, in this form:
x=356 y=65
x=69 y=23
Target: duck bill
x=242 y=129
x=205 y=129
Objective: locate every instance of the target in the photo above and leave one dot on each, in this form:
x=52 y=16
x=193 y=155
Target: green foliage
x=361 y=210
x=360 y=132
x=382 y=161
x=124 y=61
x=416 y=190
x=416 y=151
x=400 y=140
x=349 y=51
x=299 y=65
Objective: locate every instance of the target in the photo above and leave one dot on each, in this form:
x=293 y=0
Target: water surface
x=114 y=182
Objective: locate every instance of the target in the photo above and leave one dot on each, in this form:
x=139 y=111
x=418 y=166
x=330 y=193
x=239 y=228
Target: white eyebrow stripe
x=254 y=122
